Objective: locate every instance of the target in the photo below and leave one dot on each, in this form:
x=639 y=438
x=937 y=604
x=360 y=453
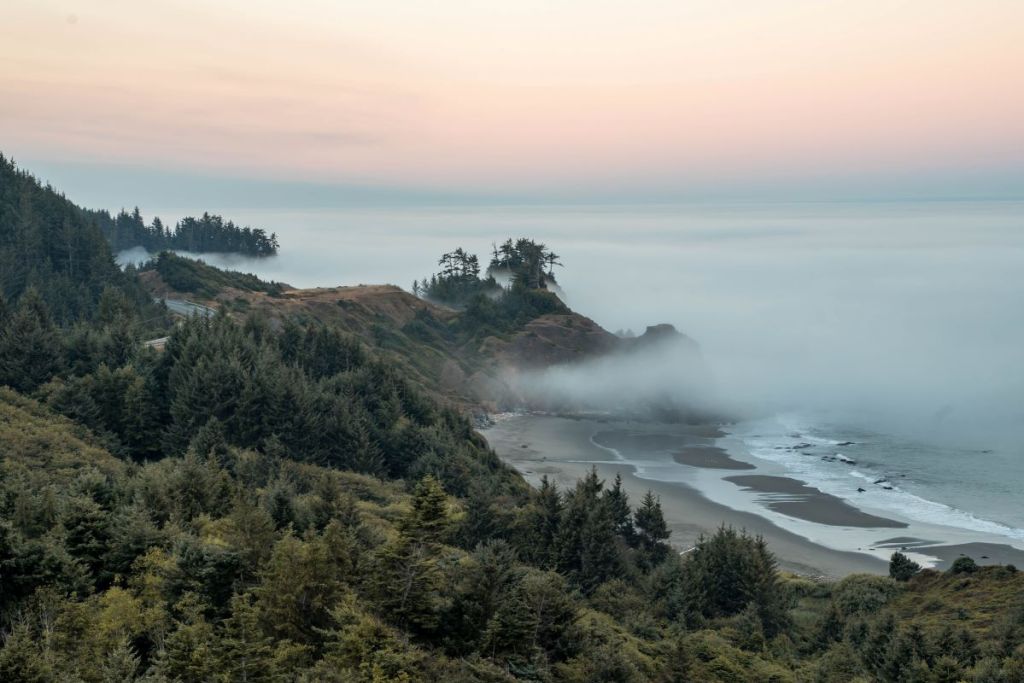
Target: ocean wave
x=780 y=440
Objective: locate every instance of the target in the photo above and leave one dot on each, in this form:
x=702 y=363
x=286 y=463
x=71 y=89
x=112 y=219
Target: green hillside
x=283 y=494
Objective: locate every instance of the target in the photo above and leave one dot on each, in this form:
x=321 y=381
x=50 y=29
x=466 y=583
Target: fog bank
x=903 y=313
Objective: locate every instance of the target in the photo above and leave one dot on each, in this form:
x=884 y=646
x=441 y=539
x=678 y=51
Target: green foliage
x=588 y=552
x=48 y=244
x=183 y=274
x=902 y=568
x=963 y=565
x=862 y=594
x=730 y=571
x=530 y=264
x=206 y=234
x=651 y=533
x=279 y=502
x=29 y=346
x=458 y=281
x=489 y=308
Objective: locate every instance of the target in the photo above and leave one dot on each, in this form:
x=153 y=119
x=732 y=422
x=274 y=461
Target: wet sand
x=982 y=553
x=690 y=447
x=795 y=498
x=562 y=450
x=710 y=458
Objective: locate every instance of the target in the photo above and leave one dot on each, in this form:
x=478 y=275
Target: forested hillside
x=275 y=499
x=48 y=244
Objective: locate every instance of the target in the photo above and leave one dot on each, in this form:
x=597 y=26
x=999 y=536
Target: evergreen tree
x=20 y=659
x=121 y=664
x=482 y=589
x=730 y=570
x=29 y=346
x=428 y=519
x=298 y=587
x=618 y=503
x=543 y=524
x=587 y=539
x=512 y=630
x=189 y=653
x=652 y=532
x=901 y=567
x=407 y=584
x=245 y=650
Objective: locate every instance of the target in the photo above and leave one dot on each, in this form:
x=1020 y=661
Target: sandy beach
x=795 y=498
x=562 y=450
x=683 y=463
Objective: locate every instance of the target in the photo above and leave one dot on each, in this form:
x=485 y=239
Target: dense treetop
x=206 y=234
x=524 y=264
x=193 y=276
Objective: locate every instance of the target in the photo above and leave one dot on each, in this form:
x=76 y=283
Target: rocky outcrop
x=555 y=339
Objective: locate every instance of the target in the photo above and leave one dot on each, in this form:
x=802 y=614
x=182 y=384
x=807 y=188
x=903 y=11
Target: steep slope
x=48 y=244
x=33 y=440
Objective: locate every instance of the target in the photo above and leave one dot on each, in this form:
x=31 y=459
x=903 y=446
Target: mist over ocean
x=898 y=325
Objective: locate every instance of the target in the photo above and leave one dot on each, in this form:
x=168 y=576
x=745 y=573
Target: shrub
x=902 y=567
x=862 y=594
x=963 y=565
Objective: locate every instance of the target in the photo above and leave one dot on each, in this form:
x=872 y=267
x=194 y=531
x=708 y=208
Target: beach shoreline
x=562 y=450
x=704 y=481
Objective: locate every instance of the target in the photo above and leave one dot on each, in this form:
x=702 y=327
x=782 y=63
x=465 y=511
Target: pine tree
x=210 y=441
x=428 y=520
x=189 y=653
x=482 y=589
x=586 y=541
x=298 y=587
x=599 y=555
x=20 y=659
x=512 y=629
x=121 y=664
x=29 y=346
x=618 y=502
x=245 y=650
x=652 y=532
x=407 y=584
x=901 y=567
x=543 y=524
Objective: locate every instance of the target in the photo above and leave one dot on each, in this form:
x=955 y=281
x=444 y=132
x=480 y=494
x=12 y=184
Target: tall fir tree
x=29 y=345
x=652 y=533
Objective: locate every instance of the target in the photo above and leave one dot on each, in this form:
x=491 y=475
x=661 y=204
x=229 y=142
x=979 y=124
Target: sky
x=638 y=100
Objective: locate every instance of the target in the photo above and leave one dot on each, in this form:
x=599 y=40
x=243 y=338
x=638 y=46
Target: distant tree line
x=207 y=234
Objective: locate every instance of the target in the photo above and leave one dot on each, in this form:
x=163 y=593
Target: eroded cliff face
x=555 y=339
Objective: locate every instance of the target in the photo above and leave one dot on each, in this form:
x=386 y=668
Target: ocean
x=898 y=327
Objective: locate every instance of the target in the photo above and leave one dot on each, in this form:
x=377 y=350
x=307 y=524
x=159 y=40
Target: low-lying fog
x=912 y=314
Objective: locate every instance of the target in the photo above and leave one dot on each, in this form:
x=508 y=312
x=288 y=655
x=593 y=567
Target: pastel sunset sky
x=523 y=96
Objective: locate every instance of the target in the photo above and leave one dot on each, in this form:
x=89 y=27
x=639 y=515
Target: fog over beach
x=897 y=323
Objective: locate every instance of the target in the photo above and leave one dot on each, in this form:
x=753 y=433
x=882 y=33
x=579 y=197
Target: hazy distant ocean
x=898 y=326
